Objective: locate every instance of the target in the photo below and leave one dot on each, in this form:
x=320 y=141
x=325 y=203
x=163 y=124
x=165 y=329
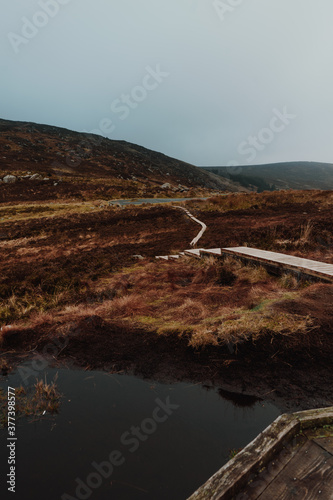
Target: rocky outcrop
x=36 y=177
x=9 y=179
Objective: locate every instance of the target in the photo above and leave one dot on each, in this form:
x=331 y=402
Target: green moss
x=148 y=320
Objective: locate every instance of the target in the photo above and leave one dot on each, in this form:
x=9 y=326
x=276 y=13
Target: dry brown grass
x=253 y=274
x=5 y=366
x=54 y=267
x=289 y=281
x=20 y=212
x=58 y=277
x=127 y=306
x=185 y=297
x=42 y=398
x=306 y=231
x=241 y=201
x=240 y=325
x=293 y=222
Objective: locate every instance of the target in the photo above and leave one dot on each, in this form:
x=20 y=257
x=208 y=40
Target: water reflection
x=160 y=440
x=239 y=400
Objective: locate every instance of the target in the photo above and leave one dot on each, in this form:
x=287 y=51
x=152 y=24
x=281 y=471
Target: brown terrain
x=73 y=289
x=85 y=166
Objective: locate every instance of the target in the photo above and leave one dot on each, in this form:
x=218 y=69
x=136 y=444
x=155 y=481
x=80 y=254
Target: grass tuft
x=42 y=398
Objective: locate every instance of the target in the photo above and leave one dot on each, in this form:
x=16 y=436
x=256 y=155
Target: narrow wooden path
x=202 y=224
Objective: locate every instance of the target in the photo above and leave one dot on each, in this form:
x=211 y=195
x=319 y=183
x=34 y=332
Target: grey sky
x=199 y=80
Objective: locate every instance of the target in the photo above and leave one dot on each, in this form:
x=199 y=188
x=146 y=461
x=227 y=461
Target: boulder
x=166 y=186
x=36 y=177
x=9 y=179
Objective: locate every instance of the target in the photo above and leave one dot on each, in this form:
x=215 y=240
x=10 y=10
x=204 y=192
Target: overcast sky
x=208 y=82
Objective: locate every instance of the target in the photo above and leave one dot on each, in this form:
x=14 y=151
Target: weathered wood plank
x=326 y=443
x=262 y=480
x=309 y=475
x=211 y=251
x=308 y=266
x=315 y=418
x=236 y=479
x=193 y=253
x=317 y=432
x=229 y=480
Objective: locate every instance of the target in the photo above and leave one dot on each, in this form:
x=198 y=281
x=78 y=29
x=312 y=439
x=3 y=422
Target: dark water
x=164 y=440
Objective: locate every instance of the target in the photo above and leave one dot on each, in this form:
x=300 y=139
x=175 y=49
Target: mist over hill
x=288 y=175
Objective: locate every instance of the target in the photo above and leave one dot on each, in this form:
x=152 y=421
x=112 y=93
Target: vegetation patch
x=77 y=263
x=36 y=401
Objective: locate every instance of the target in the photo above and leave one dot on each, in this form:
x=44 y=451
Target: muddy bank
x=291 y=377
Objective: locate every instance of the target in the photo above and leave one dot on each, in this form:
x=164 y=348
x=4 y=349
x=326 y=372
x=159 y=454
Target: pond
x=120 y=437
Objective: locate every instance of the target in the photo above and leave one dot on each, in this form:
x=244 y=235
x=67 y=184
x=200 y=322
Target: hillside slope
x=290 y=175
x=57 y=152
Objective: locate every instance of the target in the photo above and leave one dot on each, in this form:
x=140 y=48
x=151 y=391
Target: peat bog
x=69 y=277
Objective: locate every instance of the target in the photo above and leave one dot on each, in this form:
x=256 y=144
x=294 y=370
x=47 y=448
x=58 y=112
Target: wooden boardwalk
x=308 y=267
x=312 y=268
x=291 y=459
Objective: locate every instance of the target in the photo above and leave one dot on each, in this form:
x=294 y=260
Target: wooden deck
x=308 y=267
x=291 y=459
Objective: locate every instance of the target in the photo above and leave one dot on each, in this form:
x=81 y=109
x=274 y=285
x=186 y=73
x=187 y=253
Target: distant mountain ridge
x=50 y=150
x=287 y=175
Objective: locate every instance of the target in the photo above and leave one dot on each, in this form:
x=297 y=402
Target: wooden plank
x=211 y=251
x=308 y=266
x=193 y=252
x=315 y=418
x=231 y=478
x=240 y=472
x=262 y=480
x=309 y=475
x=326 y=443
x=282 y=258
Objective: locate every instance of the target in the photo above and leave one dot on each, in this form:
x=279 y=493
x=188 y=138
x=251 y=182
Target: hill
x=87 y=163
x=290 y=175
